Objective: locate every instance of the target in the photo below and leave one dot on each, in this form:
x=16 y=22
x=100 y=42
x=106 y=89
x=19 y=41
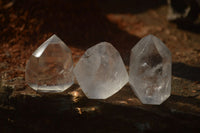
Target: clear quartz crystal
x=50 y=67
x=101 y=72
x=150 y=70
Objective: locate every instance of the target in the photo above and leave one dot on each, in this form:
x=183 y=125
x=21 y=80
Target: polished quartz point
x=150 y=70
x=50 y=67
x=101 y=72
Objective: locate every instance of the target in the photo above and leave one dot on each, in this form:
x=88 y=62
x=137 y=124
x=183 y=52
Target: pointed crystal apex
x=101 y=72
x=52 y=40
x=50 y=67
x=150 y=70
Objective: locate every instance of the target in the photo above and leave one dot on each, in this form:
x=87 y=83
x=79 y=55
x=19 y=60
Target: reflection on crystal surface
x=49 y=68
x=100 y=71
x=150 y=70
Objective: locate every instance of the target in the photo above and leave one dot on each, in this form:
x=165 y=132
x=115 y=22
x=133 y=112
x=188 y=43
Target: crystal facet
x=150 y=70
x=101 y=72
x=50 y=67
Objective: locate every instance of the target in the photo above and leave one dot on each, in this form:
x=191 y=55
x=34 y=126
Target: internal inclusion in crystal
x=50 y=67
x=150 y=70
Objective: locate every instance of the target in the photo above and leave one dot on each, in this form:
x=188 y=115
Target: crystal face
x=101 y=72
x=50 y=67
x=150 y=70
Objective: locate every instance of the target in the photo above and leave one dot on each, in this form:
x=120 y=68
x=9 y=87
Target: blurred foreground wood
x=24 y=110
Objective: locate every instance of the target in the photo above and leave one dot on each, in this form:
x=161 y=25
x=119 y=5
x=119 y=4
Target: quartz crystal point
x=101 y=72
x=150 y=70
x=50 y=67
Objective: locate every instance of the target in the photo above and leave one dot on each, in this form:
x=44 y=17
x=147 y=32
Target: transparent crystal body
x=150 y=70
x=50 y=67
x=101 y=72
